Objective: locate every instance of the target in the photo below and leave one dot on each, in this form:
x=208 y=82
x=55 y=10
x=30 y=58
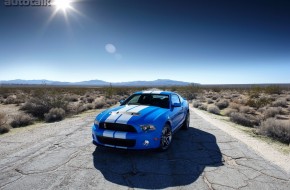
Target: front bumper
x=126 y=140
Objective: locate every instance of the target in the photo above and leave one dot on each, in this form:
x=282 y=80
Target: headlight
x=148 y=127
x=96 y=122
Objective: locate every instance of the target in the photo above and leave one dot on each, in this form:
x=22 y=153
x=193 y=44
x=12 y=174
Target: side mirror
x=121 y=101
x=176 y=105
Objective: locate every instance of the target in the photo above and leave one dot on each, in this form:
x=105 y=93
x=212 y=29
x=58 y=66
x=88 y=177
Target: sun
x=62 y=4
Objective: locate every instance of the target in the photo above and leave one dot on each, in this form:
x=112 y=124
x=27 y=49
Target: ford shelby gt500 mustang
x=145 y=120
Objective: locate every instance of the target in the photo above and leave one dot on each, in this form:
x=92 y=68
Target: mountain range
x=158 y=82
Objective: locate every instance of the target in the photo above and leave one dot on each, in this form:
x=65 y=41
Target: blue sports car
x=145 y=120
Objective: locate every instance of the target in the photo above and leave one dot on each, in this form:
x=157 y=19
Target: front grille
x=117 y=127
x=117 y=142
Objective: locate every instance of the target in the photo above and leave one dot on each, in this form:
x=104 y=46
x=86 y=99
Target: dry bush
x=4 y=128
x=222 y=104
x=99 y=104
x=21 y=120
x=209 y=101
x=229 y=111
x=276 y=129
x=90 y=106
x=203 y=107
x=244 y=119
x=215 y=97
x=90 y=99
x=42 y=104
x=213 y=109
x=10 y=100
x=288 y=98
x=258 y=102
x=247 y=109
x=280 y=103
x=272 y=112
x=79 y=108
x=235 y=106
x=54 y=114
x=72 y=98
x=262 y=110
x=111 y=101
x=196 y=104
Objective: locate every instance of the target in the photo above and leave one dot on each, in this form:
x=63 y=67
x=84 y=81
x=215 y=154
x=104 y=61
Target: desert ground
x=239 y=139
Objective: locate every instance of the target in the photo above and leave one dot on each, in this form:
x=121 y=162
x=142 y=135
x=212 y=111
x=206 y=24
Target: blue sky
x=205 y=41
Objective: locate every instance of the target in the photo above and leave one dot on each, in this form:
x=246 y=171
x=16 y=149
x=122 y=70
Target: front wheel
x=166 y=138
x=186 y=122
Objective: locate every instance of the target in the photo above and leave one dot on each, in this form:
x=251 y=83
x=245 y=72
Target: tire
x=185 y=125
x=166 y=138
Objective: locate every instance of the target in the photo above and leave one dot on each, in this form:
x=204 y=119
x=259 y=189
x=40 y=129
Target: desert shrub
x=213 y=109
x=288 y=98
x=4 y=128
x=80 y=108
x=90 y=106
x=276 y=129
x=235 y=106
x=262 y=110
x=196 y=104
x=54 y=114
x=90 y=99
x=111 y=101
x=280 y=103
x=202 y=107
x=222 y=104
x=99 y=104
x=215 y=97
x=258 y=102
x=21 y=120
x=272 y=112
x=255 y=91
x=39 y=105
x=273 y=90
x=229 y=111
x=72 y=98
x=244 y=119
x=210 y=101
x=10 y=100
x=246 y=109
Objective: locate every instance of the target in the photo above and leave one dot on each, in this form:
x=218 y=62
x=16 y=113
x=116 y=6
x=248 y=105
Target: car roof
x=155 y=92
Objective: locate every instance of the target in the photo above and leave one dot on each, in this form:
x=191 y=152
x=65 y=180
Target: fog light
x=146 y=143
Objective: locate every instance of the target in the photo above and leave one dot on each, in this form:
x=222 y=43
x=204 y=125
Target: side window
x=174 y=99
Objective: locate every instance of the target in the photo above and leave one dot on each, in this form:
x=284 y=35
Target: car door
x=176 y=112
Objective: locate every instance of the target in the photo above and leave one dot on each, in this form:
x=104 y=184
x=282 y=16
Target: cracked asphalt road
x=61 y=156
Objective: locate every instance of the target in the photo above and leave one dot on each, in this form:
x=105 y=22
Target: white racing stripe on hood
x=126 y=117
x=137 y=109
x=112 y=118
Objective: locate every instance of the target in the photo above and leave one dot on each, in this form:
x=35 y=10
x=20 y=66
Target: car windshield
x=159 y=100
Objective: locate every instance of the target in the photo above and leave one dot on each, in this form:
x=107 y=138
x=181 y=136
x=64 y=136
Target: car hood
x=132 y=114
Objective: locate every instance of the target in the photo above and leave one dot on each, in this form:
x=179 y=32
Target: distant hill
x=158 y=82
